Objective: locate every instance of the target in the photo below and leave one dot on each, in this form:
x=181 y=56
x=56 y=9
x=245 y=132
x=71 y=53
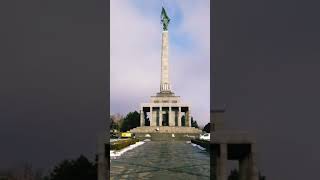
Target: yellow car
x=127 y=135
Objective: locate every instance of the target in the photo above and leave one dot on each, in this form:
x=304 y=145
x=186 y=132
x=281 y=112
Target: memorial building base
x=166 y=133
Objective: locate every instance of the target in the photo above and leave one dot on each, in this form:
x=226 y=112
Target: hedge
x=117 y=145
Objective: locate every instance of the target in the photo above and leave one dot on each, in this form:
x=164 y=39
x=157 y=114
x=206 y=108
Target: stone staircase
x=166 y=129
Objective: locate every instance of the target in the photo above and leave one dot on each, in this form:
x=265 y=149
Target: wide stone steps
x=165 y=129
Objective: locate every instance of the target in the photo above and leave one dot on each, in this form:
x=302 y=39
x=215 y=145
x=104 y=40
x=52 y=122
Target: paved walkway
x=162 y=160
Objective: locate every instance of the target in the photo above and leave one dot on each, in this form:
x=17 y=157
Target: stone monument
x=165 y=109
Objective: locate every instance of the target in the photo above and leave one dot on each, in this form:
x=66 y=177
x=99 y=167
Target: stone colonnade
x=243 y=152
x=232 y=145
x=165 y=115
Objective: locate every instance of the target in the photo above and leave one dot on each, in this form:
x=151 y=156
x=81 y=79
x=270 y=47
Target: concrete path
x=162 y=160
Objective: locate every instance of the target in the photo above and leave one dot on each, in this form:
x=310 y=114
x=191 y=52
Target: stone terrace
x=166 y=129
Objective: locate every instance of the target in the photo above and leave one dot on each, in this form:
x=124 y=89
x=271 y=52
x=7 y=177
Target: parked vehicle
x=205 y=136
x=127 y=135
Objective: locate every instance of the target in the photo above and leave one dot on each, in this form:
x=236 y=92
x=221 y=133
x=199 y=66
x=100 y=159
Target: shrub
x=117 y=145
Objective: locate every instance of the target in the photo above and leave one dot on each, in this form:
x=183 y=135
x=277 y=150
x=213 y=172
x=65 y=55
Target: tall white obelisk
x=165 y=86
x=165 y=82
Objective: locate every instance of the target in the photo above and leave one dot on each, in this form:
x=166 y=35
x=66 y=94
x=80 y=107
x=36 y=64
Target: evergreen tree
x=183 y=120
x=79 y=169
x=132 y=120
x=206 y=128
x=194 y=123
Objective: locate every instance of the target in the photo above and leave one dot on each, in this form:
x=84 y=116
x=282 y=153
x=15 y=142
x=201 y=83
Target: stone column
x=102 y=161
x=253 y=170
x=165 y=83
x=179 y=116
x=222 y=163
x=171 y=119
x=214 y=168
x=160 y=116
x=243 y=168
x=247 y=166
x=142 y=117
x=189 y=116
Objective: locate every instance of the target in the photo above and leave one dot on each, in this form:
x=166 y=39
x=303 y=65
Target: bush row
x=117 y=145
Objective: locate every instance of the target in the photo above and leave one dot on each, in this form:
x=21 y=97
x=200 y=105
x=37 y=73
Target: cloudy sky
x=135 y=53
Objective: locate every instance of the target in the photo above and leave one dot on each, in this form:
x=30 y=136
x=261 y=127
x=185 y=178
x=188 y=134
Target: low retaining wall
x=167 y=136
